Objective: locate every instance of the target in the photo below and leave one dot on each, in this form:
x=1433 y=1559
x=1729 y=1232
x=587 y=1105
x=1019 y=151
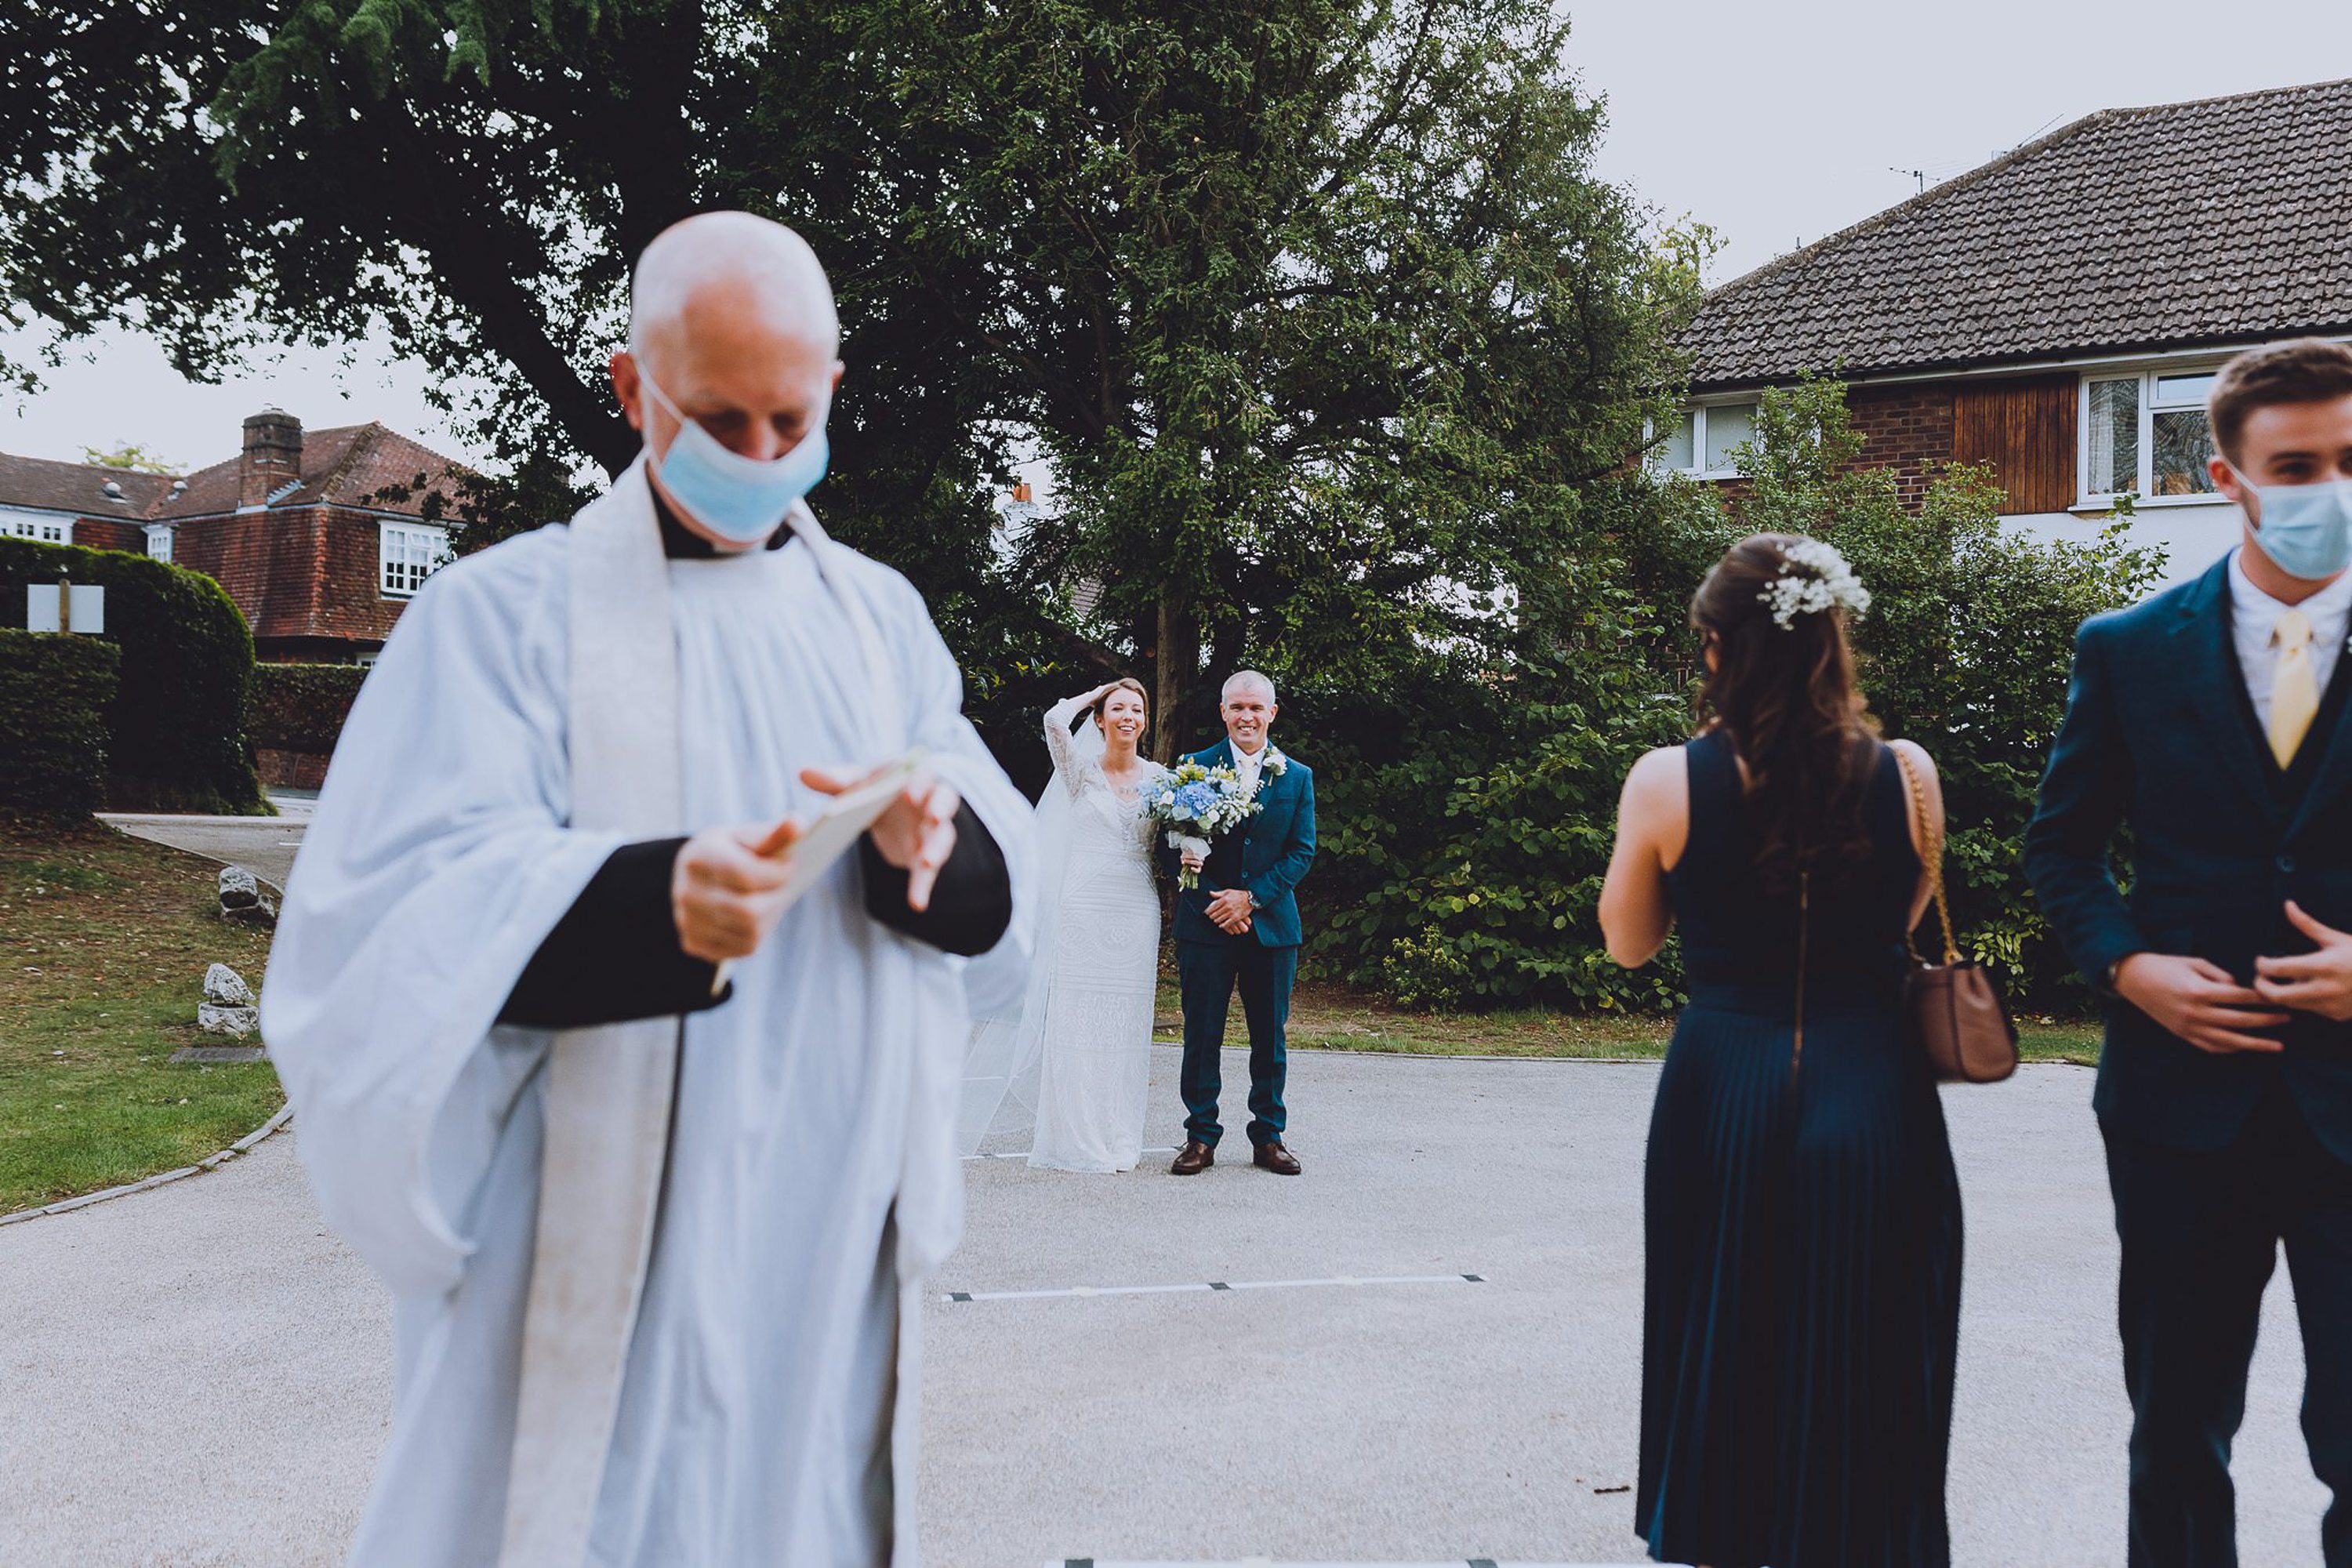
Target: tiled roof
x=2224 y=220
x=79 y=487
x=348 y=465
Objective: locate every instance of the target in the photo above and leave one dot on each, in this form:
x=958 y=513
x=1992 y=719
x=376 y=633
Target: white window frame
x=397 y=574
x=1696 y=413
x=2144 y=480
x=45 y=528
x=159 y=542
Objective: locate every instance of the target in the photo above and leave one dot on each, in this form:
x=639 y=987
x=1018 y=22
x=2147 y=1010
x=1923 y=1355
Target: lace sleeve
x=1067 y=761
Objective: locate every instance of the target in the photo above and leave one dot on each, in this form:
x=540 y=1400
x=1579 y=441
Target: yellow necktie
x=2294 y=691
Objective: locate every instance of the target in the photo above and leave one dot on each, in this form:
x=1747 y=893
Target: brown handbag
x=1955 y=1009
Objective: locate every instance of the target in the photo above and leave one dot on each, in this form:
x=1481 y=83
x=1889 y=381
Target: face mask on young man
x=741 y=499
x=2305 y=530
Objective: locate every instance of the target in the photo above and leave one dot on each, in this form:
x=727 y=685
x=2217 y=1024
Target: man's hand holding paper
x=731 y=887
x=916 y=831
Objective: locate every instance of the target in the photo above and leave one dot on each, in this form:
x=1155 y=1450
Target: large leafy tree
x=471 y=180
x=1317 y=306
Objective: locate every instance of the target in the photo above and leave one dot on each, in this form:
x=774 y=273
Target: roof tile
x=2221 y=220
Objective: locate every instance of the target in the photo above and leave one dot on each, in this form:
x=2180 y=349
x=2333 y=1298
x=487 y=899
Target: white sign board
x=43 y=603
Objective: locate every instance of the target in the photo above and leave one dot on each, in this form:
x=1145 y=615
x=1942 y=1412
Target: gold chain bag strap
x=1955 y=1009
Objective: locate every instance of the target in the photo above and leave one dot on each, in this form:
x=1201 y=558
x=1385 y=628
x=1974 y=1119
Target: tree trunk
x=1175 y=663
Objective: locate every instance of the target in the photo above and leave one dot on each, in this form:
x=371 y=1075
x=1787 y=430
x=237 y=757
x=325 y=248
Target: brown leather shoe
x=1194 y=1158
x=1275 y=1158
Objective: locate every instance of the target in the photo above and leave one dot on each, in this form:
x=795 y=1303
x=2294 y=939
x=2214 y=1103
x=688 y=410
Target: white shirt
x=2255 y=618
x=1247 y=763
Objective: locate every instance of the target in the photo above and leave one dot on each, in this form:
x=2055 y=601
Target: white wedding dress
x=1078 y=1053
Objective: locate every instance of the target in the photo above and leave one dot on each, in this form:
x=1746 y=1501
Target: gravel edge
x=67 y=1205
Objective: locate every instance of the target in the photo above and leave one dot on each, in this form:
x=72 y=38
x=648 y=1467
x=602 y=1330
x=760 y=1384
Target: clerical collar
x=680 y=542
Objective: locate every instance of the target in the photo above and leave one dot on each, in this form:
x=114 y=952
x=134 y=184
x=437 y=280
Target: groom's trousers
x=1210 y=973
x=2200 y=1234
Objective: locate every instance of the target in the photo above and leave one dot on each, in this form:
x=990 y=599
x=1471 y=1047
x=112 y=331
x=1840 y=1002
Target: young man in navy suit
x=2214 y=718
x=1239 y=929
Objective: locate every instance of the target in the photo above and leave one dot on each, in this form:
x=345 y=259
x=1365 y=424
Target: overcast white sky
x=1774 y=122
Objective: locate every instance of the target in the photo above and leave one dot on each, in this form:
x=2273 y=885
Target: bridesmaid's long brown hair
x=1788 y=701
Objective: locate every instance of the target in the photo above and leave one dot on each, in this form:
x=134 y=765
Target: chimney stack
x=272 y=456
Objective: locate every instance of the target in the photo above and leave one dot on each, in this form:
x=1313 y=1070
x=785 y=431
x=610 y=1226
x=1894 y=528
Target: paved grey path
x=199 y=1375
x=263 y=844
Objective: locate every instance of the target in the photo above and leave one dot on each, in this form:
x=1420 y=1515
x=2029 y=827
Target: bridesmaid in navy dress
x=1802 y=1216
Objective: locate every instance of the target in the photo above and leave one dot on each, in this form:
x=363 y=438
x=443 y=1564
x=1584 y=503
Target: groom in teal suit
x=1239 y=929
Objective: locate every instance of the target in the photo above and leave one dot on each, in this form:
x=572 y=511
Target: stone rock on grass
x=215 y=1019
x=228 y=987
x=242 y=898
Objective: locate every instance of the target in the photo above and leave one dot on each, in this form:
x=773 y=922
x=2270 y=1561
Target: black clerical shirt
x=614 y=956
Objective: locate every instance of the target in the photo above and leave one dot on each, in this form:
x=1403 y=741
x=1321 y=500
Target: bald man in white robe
x=653 y=1167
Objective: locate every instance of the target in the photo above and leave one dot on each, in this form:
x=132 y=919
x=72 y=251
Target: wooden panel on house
x=2025 y=429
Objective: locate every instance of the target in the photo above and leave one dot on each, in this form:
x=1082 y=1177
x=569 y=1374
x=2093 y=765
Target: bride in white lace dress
x=1080 y=1052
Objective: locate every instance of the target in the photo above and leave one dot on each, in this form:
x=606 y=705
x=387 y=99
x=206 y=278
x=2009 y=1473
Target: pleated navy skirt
x=1803 y=1291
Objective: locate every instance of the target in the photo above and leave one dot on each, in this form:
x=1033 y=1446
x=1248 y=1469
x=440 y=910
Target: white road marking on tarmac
x=1269 y=1562
x=1079 y=1290
x=1024 y=1154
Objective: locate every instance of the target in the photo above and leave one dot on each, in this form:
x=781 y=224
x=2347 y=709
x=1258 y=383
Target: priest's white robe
x=766 y=1410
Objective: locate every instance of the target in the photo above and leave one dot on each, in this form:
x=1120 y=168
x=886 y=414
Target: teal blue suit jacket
x=1268 y=853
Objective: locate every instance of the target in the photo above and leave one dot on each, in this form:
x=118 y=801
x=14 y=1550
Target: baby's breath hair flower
x=1814 y=578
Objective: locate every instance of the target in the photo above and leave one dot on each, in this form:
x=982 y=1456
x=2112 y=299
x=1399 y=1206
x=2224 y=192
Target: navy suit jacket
x=1268 y=853
x=2159 y=733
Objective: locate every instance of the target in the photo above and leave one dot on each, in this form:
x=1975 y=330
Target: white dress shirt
x=1247 y=763
x=2255 y=617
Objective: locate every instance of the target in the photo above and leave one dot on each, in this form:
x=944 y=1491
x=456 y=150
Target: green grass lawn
x=103 y=945
x=1333 y=1019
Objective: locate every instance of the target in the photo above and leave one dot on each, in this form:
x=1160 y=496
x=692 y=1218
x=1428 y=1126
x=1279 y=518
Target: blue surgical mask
x=741 y=499
x=2305 y=530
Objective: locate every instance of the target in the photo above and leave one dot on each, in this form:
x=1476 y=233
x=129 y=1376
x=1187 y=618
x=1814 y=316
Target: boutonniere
x=1276 y=761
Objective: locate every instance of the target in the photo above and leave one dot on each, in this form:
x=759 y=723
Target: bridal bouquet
x=1195 y=803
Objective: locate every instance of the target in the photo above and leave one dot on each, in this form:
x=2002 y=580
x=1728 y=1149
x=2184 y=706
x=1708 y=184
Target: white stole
x=609 y=1089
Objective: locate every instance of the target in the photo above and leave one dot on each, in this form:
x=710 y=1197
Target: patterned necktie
x=2294 y=691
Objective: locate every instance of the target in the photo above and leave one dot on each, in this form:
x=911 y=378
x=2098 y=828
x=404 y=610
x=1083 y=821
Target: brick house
x=310 y=533
x=2057 y=313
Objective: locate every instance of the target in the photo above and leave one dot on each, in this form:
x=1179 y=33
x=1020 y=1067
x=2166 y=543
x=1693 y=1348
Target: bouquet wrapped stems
x=1187 y=878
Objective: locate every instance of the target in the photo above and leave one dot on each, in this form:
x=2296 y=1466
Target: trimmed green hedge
x=175 y=728
x=54 y=692
x=300 y=707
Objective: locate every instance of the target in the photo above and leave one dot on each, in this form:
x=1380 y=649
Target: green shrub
x=175 y=728
x=1466 y=821
x=300 y=707
x=54 y=692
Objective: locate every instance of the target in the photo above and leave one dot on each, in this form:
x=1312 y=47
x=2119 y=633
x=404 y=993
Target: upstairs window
x=2147 y=433
x=1700 y=441
x=408 y=553
x=159 y=541
x=27 y=525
